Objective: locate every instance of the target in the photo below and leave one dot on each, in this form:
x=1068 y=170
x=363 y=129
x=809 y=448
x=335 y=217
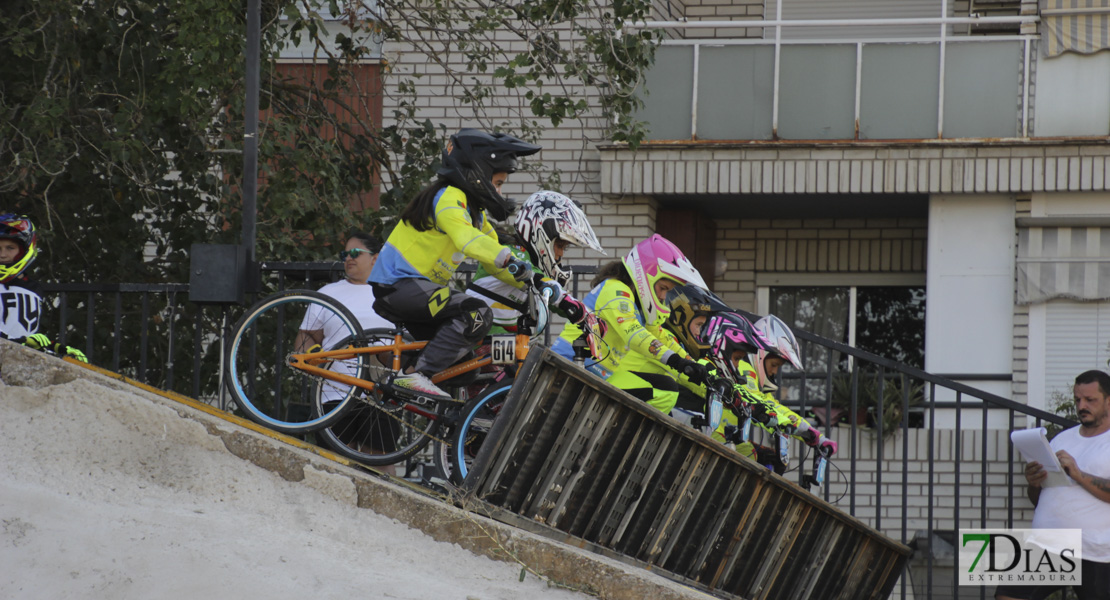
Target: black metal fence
x=920 y=456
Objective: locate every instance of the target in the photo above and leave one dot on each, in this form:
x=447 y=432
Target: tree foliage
x=121 y=121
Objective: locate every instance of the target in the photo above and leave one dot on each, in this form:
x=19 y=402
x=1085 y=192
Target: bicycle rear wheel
x=256 y=363
x=382 y=429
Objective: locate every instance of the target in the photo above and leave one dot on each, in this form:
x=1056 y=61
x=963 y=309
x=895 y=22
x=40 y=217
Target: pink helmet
x=651 y=260
x=726 y=333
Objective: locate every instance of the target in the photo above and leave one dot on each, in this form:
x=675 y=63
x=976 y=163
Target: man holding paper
x=1084 y=455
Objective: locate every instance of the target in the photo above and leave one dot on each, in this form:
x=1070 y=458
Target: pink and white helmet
x=549 y=216
x=726 y=333
x=651 y=260
x=782 y=344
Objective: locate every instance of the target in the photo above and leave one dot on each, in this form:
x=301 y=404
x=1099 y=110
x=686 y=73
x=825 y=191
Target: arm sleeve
x=618 y=310
x=479 y=243
x=501 y=274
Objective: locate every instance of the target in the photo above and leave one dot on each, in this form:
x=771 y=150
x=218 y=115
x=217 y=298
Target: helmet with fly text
x=19 y=229
x=688 y=303
x=547 y=217
x=727 y=333
x=782 y=344
x=652 y=260
x=472 y=157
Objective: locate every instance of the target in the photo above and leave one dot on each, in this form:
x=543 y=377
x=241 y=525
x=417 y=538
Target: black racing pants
x=458 y=321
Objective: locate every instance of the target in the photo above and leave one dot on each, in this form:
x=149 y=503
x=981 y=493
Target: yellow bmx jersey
x=625 y=325
x=437 y=253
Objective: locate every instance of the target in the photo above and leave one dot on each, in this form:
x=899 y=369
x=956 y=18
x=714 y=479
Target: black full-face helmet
x=688 y=302
x=20 y=230
x=472 y=157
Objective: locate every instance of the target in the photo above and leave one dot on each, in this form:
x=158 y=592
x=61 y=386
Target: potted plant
x=868 y=401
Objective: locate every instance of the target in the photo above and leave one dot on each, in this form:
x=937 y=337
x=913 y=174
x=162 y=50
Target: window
x=888 y=321
x=885 y=320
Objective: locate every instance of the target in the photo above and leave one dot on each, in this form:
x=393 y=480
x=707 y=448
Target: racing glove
x=519 y=269
x=825 y=443
x=693 y=371
x=37 y=341
x=71 y=352
x=572 y=308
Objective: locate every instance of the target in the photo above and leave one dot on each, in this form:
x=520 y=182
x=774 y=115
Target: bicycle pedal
x=411 y=396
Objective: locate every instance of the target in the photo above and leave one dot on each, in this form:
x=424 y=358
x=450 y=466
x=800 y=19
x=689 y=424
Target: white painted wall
x=970 y=287
x=1059 y=110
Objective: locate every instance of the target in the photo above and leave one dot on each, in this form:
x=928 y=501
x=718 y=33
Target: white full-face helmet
x=546 y=217
x=782 y=344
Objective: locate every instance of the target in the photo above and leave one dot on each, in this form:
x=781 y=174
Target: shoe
x=418 y=384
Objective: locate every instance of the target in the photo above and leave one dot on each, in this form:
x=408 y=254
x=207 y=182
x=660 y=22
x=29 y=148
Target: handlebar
x=539 y=312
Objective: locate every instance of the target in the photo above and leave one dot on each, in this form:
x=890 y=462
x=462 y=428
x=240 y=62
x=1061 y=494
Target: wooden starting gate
x=575 y=458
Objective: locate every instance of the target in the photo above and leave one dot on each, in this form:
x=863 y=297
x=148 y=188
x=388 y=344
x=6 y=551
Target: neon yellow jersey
x=437 y=253
x=636 y=362
x=625 y=325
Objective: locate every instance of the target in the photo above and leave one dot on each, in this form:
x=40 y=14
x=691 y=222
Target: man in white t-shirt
x=1084 y=453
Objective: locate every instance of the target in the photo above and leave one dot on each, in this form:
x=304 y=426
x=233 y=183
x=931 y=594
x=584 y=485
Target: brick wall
x=569 y=150
x=754 y=246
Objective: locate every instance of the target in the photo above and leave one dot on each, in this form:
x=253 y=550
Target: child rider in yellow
x=776 y=345
x=647 y=361
x=443 y=225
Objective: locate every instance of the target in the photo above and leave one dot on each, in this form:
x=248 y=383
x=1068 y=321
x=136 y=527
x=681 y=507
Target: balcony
x=792 y=87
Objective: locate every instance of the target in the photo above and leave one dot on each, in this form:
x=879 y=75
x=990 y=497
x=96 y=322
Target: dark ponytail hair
x=613 y=269
x=420 y=211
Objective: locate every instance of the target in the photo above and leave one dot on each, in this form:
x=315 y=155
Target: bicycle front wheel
x=382 y=429
x=477 y=419
x=259 y=377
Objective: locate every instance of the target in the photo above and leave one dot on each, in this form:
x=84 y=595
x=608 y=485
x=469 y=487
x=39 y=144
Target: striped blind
x=1063 y=262
x=1081 y=26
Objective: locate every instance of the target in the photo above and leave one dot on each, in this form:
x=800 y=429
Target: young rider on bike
x=772 y=344
x=546 y=223
x=647 y=361
x=445 y=223
x=22 y=311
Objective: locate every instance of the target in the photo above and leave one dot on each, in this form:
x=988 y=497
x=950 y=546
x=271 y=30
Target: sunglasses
x=353 y=253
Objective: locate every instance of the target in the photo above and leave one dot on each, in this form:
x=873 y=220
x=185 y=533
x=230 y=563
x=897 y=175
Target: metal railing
x=154 y=334
x=915 y=481
x=920 y=484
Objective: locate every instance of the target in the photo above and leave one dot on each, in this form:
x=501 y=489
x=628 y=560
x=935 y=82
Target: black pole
x=250 y=140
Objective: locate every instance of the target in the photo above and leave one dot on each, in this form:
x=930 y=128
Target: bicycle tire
x=477 y=419
x=382 y=429
x=256 y=363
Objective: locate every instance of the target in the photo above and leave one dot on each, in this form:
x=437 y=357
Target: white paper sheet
x=1034 y=446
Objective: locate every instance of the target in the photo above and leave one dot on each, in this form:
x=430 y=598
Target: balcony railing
x=865 y=88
